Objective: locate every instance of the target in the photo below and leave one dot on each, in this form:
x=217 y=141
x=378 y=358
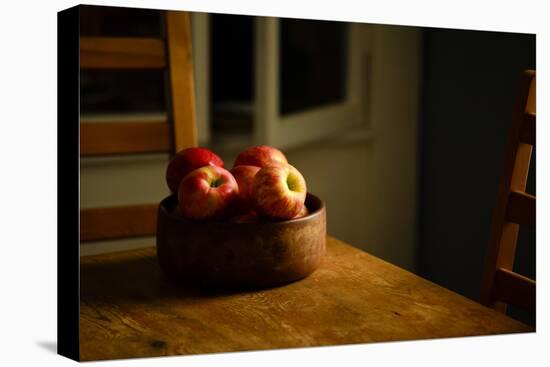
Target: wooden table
x=128 y=309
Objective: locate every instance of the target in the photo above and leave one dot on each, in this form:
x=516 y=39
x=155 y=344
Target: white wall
x=392 y=203
x=367 y=178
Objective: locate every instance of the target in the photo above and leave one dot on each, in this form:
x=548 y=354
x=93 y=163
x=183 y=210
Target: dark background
x=308 y=49
x=470 y=83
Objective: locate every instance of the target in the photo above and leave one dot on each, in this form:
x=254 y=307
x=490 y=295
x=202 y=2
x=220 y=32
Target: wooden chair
x=514 y=207
x=171 y=53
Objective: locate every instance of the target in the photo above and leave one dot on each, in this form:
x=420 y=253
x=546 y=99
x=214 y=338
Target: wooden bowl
x=224 y=253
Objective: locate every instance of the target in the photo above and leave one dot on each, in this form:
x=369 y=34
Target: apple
x=302 y=213
x=279 y=191
x=246 y=218
x=207 y=192
x=260 y=156
x=244 y=175
x=186 y=161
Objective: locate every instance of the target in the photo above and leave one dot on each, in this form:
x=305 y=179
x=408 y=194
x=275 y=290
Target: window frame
x=286 y=131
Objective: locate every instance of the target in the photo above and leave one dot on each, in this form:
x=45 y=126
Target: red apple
x=244 y=175
x=186 y=161
x=260 y=156
x=279 y=191
x=207 y=192
x=302 y=213
x=246 y=218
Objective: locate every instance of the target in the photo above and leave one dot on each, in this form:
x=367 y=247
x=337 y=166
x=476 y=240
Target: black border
x=68 y=262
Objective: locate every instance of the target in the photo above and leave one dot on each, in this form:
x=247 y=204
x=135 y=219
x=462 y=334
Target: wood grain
x=515 y=289
x=180 y=132
x=121 y=53
x=118 y=222
x=109 y=138
x=229 y=254
x=513 y=206
x=181 y=86
x=521 y=209
x=129 y=309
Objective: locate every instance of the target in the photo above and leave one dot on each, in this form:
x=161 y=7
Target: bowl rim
x=320 y=210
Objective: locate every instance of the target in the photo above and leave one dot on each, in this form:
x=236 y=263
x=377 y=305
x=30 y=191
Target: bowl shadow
x=140 y=280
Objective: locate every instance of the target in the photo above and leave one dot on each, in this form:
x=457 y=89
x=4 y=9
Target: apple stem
x=216 y=183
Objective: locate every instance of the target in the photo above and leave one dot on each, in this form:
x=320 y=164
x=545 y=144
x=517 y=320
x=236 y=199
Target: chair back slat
x=514 y=207
x=182 y=87
x=108 y=138
x=515 y=289
x=118 y=222
x=173 y=54
x=521 y=209
x=122 y=53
